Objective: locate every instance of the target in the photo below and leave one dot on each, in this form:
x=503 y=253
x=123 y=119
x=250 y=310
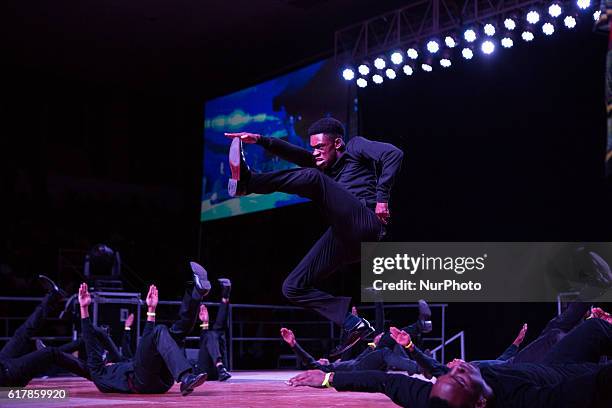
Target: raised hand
x=521 y=336
x=400 y=336
x=310 y=378
x=152 y=297
x=288 y=336
x=203 y=314
x=84 y=296
x=245 y=136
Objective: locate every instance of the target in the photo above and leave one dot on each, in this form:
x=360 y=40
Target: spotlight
x=570 y=22
x=397 y=58
x=533 y=17
x=450 y=41
x=489 y=29
x=527 y=36
x=488 y=47
x=348 y=74
x=555 y=10
x=426 y=67
x=363 y=69
x=548 y=28
x=510 y=24
x=390 y=73
x=380 y=63
x=469 y=35
x=467 y=53
x=445 y=62
x=507 y=42
x=412 y=53
x=596 y=15
x=583 y=4
x=362 y=83
x=377 y=78
x=407 y=70
x=433 y=46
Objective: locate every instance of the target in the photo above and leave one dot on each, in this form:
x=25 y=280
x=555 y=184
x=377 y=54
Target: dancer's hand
x=84 y=296
x=203 y=315
x=400 y=336
x=454 y=363
x=152 y=298
x=288 y=336
x=382 y=212
x=323 y=361
x=310 y=378
x=521 y=336
x=245 y=136
x=129 y=320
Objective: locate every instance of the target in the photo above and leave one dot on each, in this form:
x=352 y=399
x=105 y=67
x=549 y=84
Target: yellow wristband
x=409 y=345
x=372 y=345
x=325 y=382
x=128 y=328
x=204 y=325
x=151 y=314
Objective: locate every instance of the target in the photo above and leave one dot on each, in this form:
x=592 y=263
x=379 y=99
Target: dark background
x=102 y=113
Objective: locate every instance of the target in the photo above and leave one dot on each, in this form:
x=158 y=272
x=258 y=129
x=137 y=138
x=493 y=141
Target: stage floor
x=245 y=389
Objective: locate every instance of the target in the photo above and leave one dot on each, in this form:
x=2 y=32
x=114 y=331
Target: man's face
x=324 y=150
x=462 y=386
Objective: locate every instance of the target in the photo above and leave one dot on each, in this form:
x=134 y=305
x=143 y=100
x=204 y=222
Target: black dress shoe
x=51 y=286
x=226 y=287
x=236 y=185
x=424 y=323
x=360 y=331
x=191 y=381
x=223 y=374
x=39 y=344
x=200 y=278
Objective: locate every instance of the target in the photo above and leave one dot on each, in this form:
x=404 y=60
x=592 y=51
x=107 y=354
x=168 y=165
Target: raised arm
x=429 y=364
x=305 y=358
x=278 y=147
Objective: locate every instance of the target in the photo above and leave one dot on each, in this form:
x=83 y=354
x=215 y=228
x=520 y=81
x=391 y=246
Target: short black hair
x=326 y=125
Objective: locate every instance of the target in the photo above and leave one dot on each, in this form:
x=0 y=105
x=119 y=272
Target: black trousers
x=158 y=360
x=555 y=330
x=213 y=344
x=18 y=365
x=352 y=222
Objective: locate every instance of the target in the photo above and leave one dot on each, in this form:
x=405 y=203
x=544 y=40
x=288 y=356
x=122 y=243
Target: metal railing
x=234 y=324
x=460 y=336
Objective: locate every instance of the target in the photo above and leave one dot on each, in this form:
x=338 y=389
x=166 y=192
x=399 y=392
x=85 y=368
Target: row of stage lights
x=380 y=68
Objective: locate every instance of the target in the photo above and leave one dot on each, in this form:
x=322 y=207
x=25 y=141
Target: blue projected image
x=282 y=108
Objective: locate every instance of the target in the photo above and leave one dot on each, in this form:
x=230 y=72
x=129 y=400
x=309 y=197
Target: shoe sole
x=196 y=384
x=199 y=269
x=235 y=154
x=358 y=339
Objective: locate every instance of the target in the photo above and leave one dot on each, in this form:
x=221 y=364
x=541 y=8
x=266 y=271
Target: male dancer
x=351 y=183
x=213 y=343
x=158 y=361
x=18 y=366
x=569 y=377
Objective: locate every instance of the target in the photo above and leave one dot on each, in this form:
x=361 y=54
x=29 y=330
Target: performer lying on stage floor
x=383 y=353
x=568 y=377
x=18 y=365
x=158 y=361
x=374 y=357
x=351 y=183
x=213 y=343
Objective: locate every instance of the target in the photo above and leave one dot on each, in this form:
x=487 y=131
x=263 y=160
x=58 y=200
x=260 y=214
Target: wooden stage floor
x=245 y=389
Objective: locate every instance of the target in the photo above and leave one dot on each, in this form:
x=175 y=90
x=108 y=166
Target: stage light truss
x=422 y=27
